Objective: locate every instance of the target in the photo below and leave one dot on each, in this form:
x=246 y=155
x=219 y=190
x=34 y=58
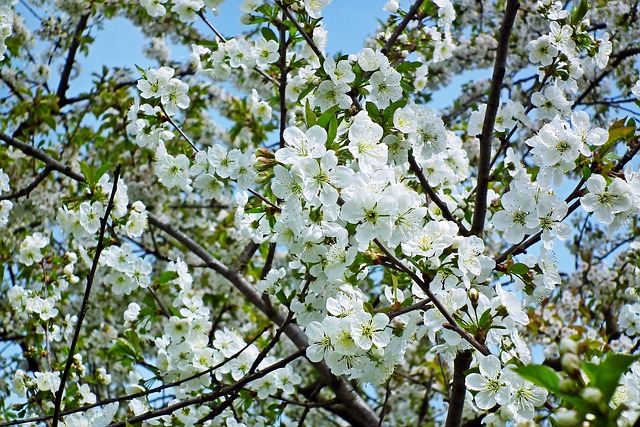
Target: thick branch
x=493 y=103
x=458 y=389
x=29 y=188
x=357 y=411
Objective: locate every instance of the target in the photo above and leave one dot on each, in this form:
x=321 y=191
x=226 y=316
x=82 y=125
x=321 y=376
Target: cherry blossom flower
x=606 y=200
x=519 y=216
x=172 y=171
x=489 y=384
x=302 y=144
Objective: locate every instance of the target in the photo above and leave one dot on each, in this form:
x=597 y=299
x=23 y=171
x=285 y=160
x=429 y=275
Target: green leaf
x=606 y=375
x=485 y=320
x=168 y=276
x=324 y=119
x=519 y=269
x=373 y=111
x=142 y=72
x=542 y=376
x=89 y=173
x=101 y=171
x=268 y=34
x=309 y=115
x=579 y=12
x=617 y=131
x=586 y=172
x=332 y=131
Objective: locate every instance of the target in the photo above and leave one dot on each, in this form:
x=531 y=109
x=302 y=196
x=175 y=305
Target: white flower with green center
x=174 y=96
x=314 y=7
x=518 y=217
x=489 y=384
x=524 y=396
x=319 y=341
x=606 y=200
x=367 y=331
x=302 y=144
x=364 y=143
x=321 y=178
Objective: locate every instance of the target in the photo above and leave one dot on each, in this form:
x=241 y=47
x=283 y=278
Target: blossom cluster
x=185 y=349
x=5 y=205
x=6 y=24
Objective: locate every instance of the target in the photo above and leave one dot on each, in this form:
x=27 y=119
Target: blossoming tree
x=341 y=253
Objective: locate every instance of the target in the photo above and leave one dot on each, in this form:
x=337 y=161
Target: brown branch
x=71 y=57
x=303 y=33
x=208 y=397
x=42 y=156
x=401 y=27
x=619 y=57
x=446 y=213
x=354 y=409
x=458 y=388
x=85 y=301
x=441 y=308
x=29 y=188
x=577 y=192
x=493 y=103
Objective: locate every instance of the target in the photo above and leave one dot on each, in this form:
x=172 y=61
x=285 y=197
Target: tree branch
x=63 y=85
x=85 y=301
x=458 y=388
x=356 y=410
x=417 y=170
x=493 y=103
x=29 y=188
x=400 y=28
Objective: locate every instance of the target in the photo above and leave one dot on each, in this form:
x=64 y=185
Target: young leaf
x=606 y=375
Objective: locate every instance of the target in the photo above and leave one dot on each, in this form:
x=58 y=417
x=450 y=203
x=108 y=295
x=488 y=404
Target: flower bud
x=265 y=152
x=262 y=164
x=568 y=419
x=592 y=395
x=570 y=363
x=569 y=386
x=568 y=345
x=473 y=297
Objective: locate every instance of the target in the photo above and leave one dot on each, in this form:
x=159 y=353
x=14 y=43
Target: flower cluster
x=5 y=205
x=497 y=385
x=6 y=23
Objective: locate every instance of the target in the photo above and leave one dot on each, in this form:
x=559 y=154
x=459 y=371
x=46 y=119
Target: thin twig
x=446 y=213
x=85 y=300
x=63 y=85
x=29 y=188
x=441 y=308
x=179 y=129
x=208 y=397
x=403 y=24
x=303 y=33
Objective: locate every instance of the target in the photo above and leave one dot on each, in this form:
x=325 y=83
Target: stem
x=85 y=300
